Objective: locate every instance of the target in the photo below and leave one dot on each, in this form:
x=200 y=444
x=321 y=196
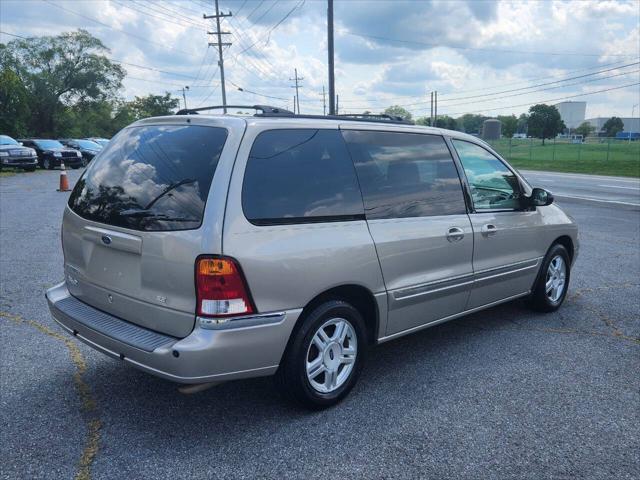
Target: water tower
x=491 y=129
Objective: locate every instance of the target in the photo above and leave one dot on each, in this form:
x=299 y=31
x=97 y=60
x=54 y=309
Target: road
x=504 y=393
x=595 y=188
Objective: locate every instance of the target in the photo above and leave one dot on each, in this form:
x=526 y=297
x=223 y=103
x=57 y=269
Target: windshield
x=151 y=178
x=89 y=145
x=48 y=144
x=5 y=140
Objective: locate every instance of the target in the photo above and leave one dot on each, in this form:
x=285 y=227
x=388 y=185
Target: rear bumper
x=241 y=348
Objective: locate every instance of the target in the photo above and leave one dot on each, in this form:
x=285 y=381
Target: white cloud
x=479 y=47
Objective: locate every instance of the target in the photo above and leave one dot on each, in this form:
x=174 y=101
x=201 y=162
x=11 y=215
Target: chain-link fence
x=607 y=156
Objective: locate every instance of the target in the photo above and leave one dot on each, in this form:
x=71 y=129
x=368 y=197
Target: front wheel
x=325 y=355
x=551 y=286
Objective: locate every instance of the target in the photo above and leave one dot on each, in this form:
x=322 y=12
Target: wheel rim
x=331 y=356
x=45 y=163
x=556 y=279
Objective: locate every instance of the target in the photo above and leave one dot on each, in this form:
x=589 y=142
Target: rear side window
x=151 y=178
x=405 y=174
x=299 y=176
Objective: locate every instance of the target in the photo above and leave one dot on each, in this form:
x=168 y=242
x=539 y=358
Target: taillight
x=221 y=289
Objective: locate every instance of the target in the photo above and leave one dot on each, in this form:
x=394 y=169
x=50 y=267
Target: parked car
x=206 y=248
x=51 y=153
x=87 y=148
x=15 y=155
x=100 y=141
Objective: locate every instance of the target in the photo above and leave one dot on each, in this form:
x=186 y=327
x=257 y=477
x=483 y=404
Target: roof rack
x=269 y=111
x=265 y=109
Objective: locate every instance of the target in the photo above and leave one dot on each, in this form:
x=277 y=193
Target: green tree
x=152 y=106
x=58 y=72
x=447 y=122
x=14 y=99
x=398 y=111
x=613 y=126
x=544 y=121
x=585 y=129
x=523 y=123
x=509 y=125
x=471 y=123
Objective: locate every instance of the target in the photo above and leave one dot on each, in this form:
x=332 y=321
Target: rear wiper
x=149 y=215
x=172 y=186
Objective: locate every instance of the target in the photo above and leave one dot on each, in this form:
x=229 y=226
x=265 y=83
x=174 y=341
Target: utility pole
x=324 y=102
x=337 y=104
x=431 y=115
x=435 y=109
x=296 y=86
x=220 y=44
x=184 y=96
x=332 y=86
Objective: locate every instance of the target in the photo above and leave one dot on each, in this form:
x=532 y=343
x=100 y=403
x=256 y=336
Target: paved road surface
x=614 y=190
x=502 y=394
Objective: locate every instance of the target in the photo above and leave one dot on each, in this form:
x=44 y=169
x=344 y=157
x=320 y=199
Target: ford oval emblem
x=106 y=239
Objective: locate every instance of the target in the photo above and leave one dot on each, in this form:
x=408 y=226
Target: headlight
x=33 y=152
x=4 y=154
x=78 y=154
x=57 y=154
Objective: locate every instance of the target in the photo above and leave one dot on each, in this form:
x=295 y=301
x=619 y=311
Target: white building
x=572 y=113
x=630 y=124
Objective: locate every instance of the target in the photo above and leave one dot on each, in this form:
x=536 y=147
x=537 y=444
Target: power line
x=528 y=88
x=493 y=87
x=520 y=52
x=548 y=100
x=545 y=89
x=133 y=35
x=14 y=35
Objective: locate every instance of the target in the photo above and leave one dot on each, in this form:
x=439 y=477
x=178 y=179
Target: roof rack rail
x=265 y=109
x=269 y=111
x=376 y=116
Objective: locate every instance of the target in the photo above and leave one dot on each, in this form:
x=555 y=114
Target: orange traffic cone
x=64 y=181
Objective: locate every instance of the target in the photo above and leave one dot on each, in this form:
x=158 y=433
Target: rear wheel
x=551 y=286
x=325 y=355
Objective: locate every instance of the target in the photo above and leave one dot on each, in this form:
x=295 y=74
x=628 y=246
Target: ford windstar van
x=205 y=248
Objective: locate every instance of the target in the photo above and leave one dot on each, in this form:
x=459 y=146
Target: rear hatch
x=133 y=227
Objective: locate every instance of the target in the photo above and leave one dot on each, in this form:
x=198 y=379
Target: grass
x=597 y=156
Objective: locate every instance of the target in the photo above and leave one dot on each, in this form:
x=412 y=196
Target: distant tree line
x=65 y=86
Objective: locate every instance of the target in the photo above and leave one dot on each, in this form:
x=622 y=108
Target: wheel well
x=360 y=297
x=567 y=243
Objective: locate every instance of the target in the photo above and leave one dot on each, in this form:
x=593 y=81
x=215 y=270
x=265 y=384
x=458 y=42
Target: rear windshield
x=48 y=144
x=151 y=178
x=88 y=144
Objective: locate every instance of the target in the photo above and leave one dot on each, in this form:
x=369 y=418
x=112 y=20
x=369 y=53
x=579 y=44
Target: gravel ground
x=504 y=393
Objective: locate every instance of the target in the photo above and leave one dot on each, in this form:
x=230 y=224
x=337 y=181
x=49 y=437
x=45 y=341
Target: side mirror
x=540 y=198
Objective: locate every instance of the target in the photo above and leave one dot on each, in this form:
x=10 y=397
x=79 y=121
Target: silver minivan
x=206 y=248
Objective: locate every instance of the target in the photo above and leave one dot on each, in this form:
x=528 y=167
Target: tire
x=556 y=270
x=85 y=162
x=339 y=376
x=47 y=164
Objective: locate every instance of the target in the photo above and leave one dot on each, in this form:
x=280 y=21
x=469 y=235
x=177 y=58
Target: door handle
x=455 y=234
x=488 y=230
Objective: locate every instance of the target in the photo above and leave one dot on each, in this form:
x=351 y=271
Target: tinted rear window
x=405 y=174
x=151 y=178
x=302 y=175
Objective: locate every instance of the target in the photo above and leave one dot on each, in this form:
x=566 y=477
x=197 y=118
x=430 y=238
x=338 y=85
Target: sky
x=487 y=57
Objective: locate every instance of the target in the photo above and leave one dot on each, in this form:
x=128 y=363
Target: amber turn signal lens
x=215 y=267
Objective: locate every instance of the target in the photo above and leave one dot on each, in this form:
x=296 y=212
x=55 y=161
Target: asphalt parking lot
x=504 y=393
